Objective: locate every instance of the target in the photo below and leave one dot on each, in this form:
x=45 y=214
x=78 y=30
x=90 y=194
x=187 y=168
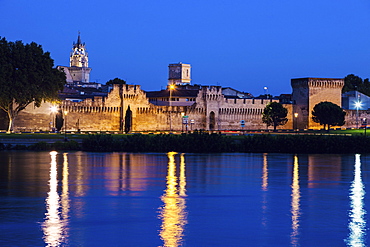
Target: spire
x=79 y=38
x=79 y=56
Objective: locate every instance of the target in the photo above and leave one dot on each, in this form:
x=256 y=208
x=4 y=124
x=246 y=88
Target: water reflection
x=357 y=224
x=55 y=226
x=173 y=213
x=264 y=187
x=295 y=204
x=265 y=173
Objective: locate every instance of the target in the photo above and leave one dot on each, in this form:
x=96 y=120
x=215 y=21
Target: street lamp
x=53 y=110
x=364 y=124
x=171 y=87
x=295 y=118
x=358 y=105
x=65 y=125
x=182 y=121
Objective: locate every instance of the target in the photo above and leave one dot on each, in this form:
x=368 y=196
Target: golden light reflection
x=265 y=173
x=357 y=223
x=265 y=176
x=65 y=196
x=55 y=226
x=80 y=184
x=173 y=213
x=79 y=178
x=295 y=204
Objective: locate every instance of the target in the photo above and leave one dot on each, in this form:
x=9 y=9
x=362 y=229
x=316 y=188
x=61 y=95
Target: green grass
x=59 y=136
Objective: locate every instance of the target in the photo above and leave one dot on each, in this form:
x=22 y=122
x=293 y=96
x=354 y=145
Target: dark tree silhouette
x=274 y=114
x=328 y=114
x=27 y=74
x=116 y=81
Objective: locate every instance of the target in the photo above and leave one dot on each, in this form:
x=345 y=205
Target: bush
x=66 y=146
x=40 y=146
x=99 y=143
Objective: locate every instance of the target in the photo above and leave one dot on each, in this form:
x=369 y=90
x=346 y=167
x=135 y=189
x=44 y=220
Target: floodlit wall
x=307 y=92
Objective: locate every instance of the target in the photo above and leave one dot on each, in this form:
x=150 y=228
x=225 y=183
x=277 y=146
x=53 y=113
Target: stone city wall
x=211 y=110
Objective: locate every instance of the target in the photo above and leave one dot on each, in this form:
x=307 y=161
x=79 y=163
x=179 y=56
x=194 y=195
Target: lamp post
x=53 y=110
x=364 y=124
x=171 y=87
x=357 y=105
x=65 y=125
x=296 y=118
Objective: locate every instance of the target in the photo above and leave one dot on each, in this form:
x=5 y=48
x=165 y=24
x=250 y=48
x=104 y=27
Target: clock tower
x=79 y=62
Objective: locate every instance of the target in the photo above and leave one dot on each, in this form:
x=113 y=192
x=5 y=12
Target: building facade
x=181 y=106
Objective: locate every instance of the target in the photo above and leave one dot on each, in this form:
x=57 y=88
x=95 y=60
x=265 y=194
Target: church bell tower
x=79 y=62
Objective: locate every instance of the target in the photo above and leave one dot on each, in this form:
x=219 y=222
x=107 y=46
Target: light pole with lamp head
x=65 y=125
x=358 y=105
x=171 y=87
x=295 y=118
x=53 y=110
x=364 y=124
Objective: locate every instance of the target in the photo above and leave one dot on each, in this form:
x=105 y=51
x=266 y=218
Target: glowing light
x=53 y=109
x=55 y=224
x=52 y=225
x=357 y=223
x=65 y=196
x=172 y=86
x=265 y=176
x=358 y=104
x=265 y=173
x=295 y=204
x=173 y=212
x=182 y=191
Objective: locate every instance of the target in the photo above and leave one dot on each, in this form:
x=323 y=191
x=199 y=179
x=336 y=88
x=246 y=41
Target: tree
x=116 y=81
x=328 y=113
x=274 y=114
x=26 y=75
x=353 y=82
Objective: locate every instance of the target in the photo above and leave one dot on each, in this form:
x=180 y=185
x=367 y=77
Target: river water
x=176 y=199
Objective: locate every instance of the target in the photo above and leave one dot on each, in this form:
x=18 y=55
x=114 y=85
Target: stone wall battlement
x=256 y=102
x=89 y=102
x=161 y=109
x=89 y=109
x=211 y=92
x=240 y=111
x=317 y=82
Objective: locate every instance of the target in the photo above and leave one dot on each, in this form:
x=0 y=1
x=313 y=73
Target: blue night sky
x=241 y=44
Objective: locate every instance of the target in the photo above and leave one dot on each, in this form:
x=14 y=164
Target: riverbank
x=196 y=142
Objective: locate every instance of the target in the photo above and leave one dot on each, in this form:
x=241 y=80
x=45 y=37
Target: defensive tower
x=179 y=74
x=307 y=92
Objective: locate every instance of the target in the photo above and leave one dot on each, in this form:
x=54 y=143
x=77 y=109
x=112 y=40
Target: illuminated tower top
x=79 y=57
x=179 y=74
